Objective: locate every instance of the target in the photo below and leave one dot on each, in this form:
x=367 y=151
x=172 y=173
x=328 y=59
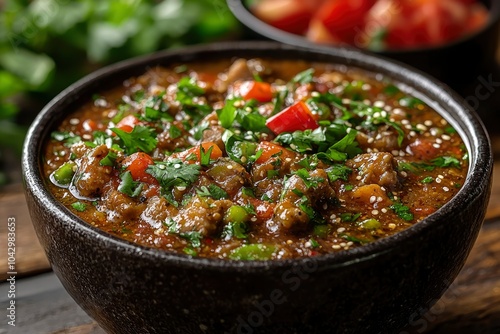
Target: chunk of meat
x=383 y=141
x=203 y=215
x=157 y=211
x=91 y=177
x=370 y=195
x=120 y=207
x=374 y=168
x=229 y=175
x=288 y=212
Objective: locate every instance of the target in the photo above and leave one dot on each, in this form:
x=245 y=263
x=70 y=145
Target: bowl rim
x=244 y=15
x=480 y=164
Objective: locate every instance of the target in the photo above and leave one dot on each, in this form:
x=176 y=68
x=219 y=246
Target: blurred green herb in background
x=45 y=45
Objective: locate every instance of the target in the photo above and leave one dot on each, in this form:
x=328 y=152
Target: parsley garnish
x=174 y=173
x=428 y=179
x=79 y=206
x=446 y=161
x=238 y=230
x=304 y=77
x=128 y=186
x=141 y=138
x=187 y=91
x=402 y=211
x=337 y=171
x=349 y=217
x=109 y=159
x=212 y=191
x=309 y=181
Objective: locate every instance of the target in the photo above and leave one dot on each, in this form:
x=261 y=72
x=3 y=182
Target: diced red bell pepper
x=269 y=149
x=296 y=117
x=260 y=91
x=137 y=163
x=127 y=123
x=184 y=155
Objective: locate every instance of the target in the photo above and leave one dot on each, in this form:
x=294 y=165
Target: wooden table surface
x=470 y=305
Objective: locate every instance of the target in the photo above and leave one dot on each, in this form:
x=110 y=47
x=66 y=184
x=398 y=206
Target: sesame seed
x=358 y=177
x=436 y=145
x=74 y=121
x=395 y=198
x=379 y=199
x=379 y=104
x=181 y=188
x=374 y=212
x=373 y=199
x=307 y=244
x=243 y=159
x=438 y=180
x=367 y=102
x=405 y=121
x=346 y=101
x=408 y=126
x=336 y=247
x=441 y=176
x=421 y=127
x=446 y=137
x=439 y=140
x=348 y=130
x=86 y=136
x=343 y=244
x=325 y=206
x=369 y=150
x=370 y=140
x=392 y=226
x=229 y=167
x=293 y=146
x=403 y=173
x=444 y=122
x=289 y=242
x=366 y=86
x=315 y=94
x=384 y=210
x=395 y=152
x=341 y=229
x=350 y=243
x=376 y=115
x=428 y=122
x=446 y=189
x=254 y=219
x=413 y=133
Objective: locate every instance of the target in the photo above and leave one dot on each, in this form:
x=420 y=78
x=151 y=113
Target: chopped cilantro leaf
x=128 y=186
x=79 y=206
x=304 y=77
x=194 y=237
x=141 y=138
x=309 y=181
x=428 y=179
x=174 y=173
x=337 y=171
x=213 y=191
x=402 y=211
x=349 y=217
x=446 y=161
x=109 y=159
x=238 y=230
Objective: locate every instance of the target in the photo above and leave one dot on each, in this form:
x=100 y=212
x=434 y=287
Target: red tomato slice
x=137 y=163
x=343 y=19
x=289 y=15
x=296 y=117
x=260 y=91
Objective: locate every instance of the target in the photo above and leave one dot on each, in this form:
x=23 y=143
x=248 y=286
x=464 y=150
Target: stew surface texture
x=254 y=159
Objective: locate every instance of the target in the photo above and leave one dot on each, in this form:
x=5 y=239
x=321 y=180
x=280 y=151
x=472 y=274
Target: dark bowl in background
x=380 y=287
x=464 y=64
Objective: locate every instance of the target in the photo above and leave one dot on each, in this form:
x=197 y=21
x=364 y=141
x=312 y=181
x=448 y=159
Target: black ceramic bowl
x=379 y=287
x=458 y=63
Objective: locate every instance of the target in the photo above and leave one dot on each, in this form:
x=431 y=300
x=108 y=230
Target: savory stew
x=254 y=159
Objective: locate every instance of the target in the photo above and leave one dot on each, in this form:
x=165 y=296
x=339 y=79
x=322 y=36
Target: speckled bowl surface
x=377 y=288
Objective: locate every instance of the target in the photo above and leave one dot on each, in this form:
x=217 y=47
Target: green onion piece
x=253 y=252
x=370 y=224
x=237 y=214
x=62 y=176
